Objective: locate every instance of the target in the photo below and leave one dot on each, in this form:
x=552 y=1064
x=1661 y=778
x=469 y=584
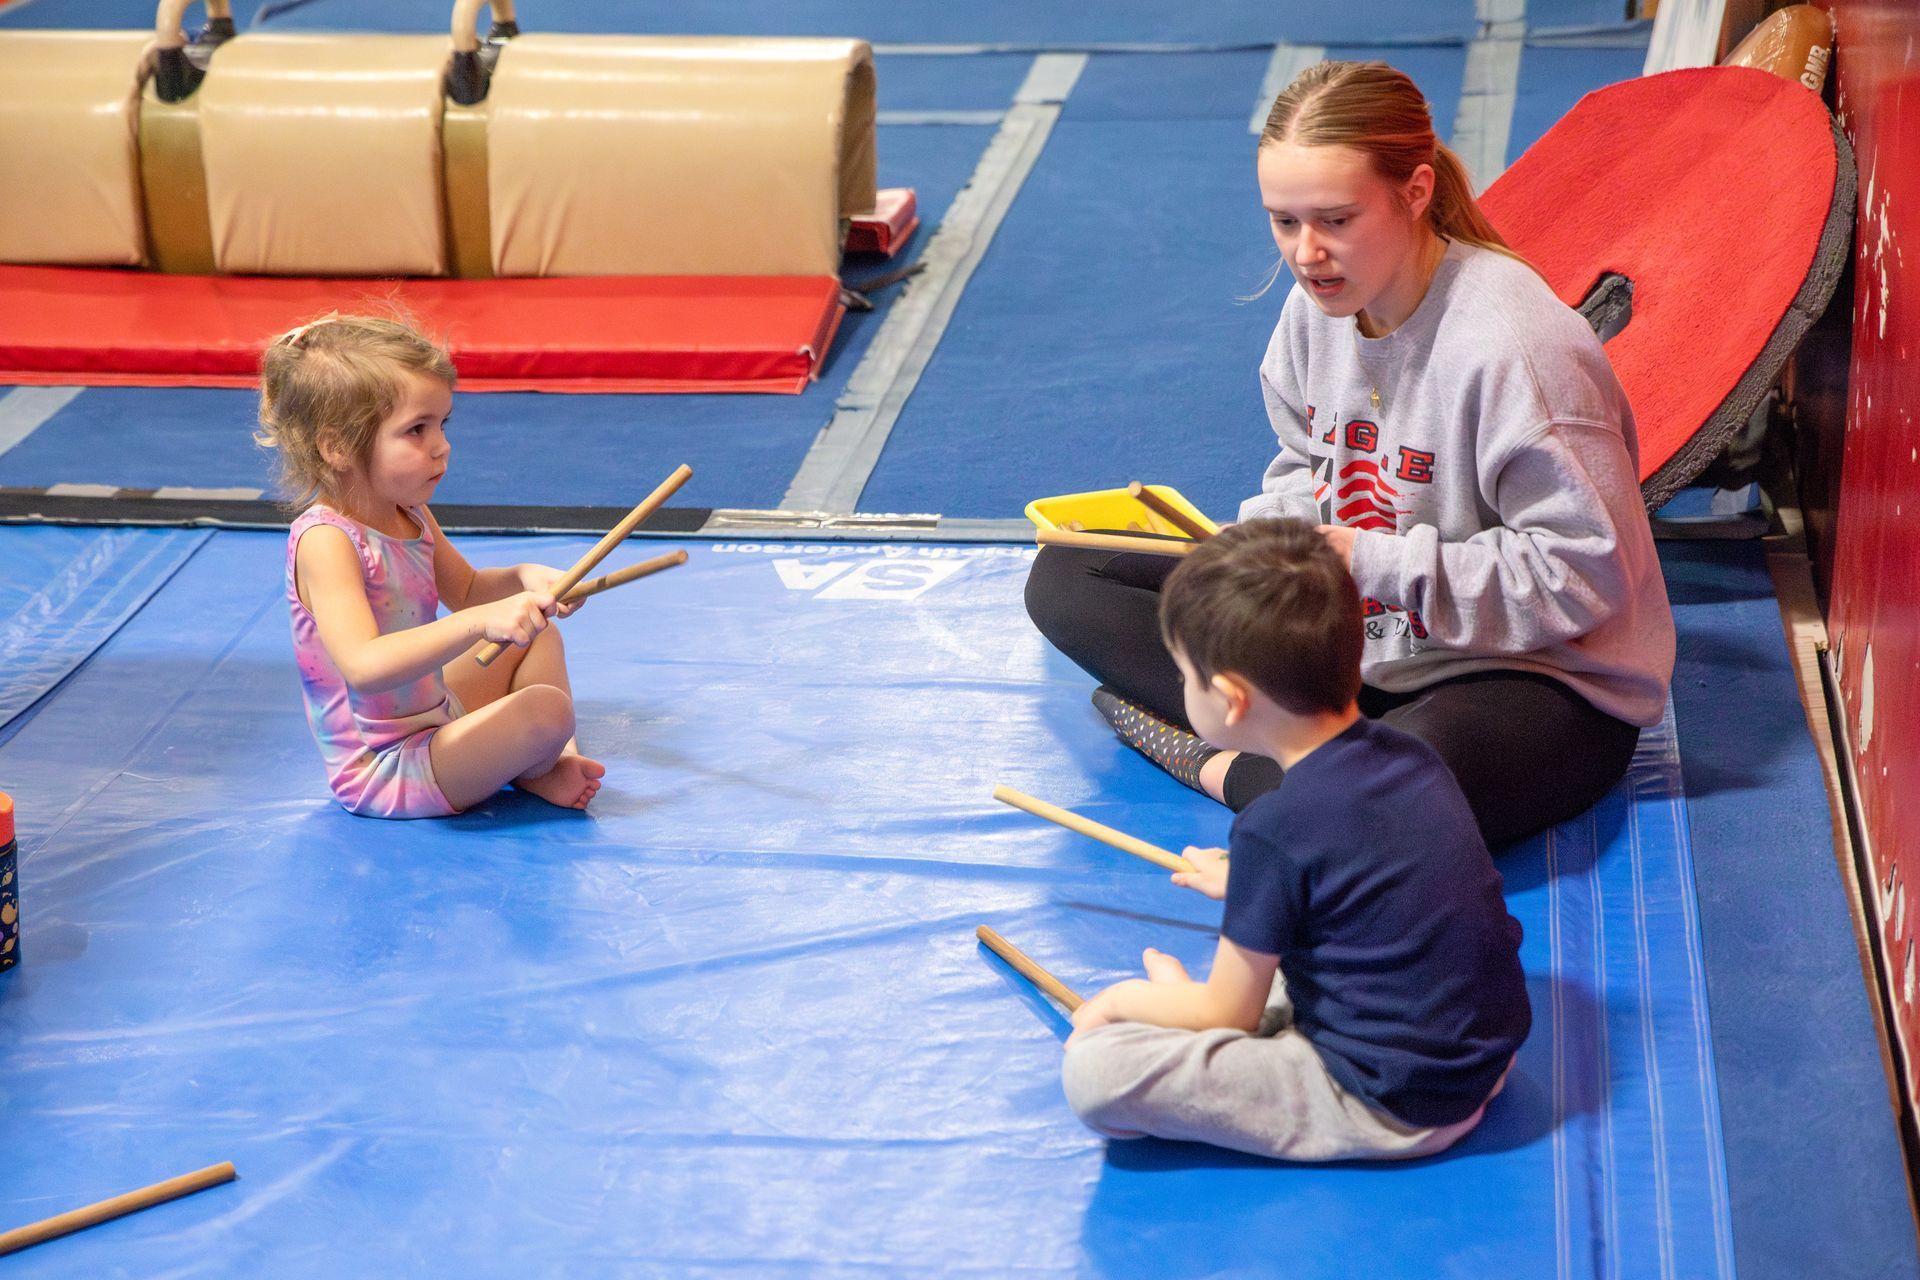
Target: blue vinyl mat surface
x=65 y=592
x=734 y=1018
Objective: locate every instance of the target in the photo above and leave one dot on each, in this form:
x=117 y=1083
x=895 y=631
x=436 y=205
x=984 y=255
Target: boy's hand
x=517 y=619
x=1099 y=1011
x=542 y=579
x=1209 y=874
x=1162 y=967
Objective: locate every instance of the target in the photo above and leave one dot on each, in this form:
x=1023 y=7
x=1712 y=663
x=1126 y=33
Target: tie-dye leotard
x=375 y=745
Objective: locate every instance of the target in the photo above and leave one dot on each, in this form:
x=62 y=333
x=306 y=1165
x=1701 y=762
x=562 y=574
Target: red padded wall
x=1873 y=614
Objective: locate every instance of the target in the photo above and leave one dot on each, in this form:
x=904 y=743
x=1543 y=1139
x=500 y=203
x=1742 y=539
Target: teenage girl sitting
x=1459 y=437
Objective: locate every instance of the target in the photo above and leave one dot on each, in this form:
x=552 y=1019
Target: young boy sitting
x=1366 y=999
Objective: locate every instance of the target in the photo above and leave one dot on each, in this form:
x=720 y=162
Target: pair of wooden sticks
x=1195 y=531
x=570 y=589
x=1024 y=965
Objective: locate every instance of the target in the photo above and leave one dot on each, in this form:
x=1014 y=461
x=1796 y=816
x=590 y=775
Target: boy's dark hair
x=1269 y=601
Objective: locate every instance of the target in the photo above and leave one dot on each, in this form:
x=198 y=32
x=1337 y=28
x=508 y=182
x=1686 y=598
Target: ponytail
x=1454 y=213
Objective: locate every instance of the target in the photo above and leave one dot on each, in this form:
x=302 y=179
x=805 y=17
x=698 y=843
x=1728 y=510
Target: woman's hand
x=540 y=578
x=1340 y=538
x=1209 y=874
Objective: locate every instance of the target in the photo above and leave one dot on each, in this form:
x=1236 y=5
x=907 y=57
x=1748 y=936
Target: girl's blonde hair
x=1379 y=111
x=330 y=383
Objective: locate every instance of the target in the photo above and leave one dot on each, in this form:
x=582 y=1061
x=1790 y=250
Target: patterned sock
x=1172 y=748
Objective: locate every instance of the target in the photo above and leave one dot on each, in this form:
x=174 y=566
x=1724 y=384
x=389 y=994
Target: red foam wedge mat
x=1709 y=190
x=91 y=326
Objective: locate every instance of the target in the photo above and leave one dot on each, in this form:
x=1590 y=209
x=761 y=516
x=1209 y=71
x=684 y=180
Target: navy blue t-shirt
x=1365 y=872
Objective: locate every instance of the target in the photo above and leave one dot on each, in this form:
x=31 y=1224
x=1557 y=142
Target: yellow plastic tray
x=1113 y=509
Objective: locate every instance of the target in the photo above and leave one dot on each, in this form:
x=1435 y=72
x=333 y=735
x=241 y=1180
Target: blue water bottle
x=9 y=888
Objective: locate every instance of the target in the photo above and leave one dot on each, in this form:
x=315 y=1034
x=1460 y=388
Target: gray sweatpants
x=1267 y=1093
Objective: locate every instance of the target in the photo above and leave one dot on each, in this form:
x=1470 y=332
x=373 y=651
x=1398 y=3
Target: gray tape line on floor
x=835 y=471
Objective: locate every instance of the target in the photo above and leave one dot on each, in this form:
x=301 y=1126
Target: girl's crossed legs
x=519 y=728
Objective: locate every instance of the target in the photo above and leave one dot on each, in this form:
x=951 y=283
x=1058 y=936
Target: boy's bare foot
x=1162 y=967
x=572 y=782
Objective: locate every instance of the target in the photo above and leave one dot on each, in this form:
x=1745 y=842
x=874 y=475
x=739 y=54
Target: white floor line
x=23 y=409
x=835 y=470
x=940 y=117
x=1484 y=123
x=1044 y=48
x=1288 y=61
x=190 y=493
x=1686 y=33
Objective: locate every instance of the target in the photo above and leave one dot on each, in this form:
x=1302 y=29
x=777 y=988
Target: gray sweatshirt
x=1485 y=454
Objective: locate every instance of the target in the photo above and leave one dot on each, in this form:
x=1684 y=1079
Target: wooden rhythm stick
x=1026 y=968
x=95 y=1214
x=1168 y=512
x=1088 y=827
x=615 y=536
x=621 y=577
x=1115 y=542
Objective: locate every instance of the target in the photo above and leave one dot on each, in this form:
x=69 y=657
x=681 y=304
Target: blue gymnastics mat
x=733 y=1020
x=65 y=592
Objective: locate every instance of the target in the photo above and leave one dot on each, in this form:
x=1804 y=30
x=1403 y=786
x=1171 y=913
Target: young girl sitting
x=409 y=725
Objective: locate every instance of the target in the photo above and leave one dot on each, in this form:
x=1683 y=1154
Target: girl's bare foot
x=572 y=782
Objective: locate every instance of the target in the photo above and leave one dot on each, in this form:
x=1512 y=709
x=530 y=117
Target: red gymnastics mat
x=108 y=327
x=1724 y=198
x=895 y=217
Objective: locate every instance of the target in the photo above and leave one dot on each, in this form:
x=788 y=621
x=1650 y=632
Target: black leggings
x=1526 y=749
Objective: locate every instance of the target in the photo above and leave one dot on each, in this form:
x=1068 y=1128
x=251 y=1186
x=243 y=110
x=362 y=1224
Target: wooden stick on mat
x=133 y=1201
x=621 y=577
x=1026 y=968
x=1115 y=542
x=1167 y=511
x=615 y=536
x=1088 y=827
